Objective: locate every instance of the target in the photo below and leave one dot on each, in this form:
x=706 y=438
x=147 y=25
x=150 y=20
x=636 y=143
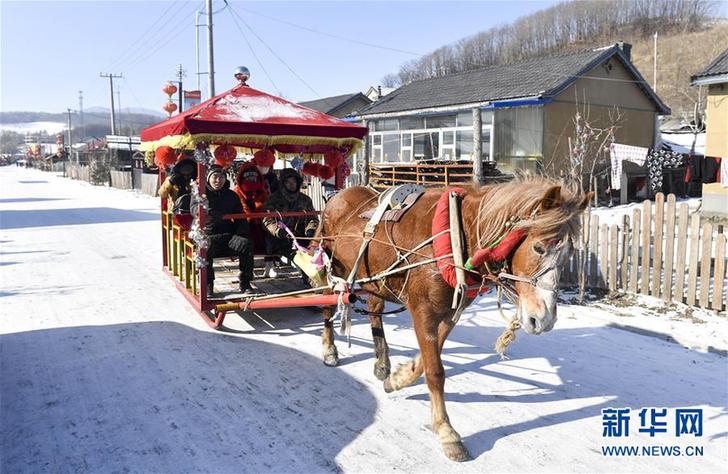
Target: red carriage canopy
x=247 y=117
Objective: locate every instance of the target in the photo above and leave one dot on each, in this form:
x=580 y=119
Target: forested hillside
x=689 y=36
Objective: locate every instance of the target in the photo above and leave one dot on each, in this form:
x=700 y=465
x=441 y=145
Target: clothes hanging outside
x=657 y=160
x=619 y=153
x=724 y=172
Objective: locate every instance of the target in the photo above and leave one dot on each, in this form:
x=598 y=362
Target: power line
x=331 y=35
x=253 y=52
x=276 y=54
x=133 y=45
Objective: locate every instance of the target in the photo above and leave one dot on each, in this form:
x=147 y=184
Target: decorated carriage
x=243 y=121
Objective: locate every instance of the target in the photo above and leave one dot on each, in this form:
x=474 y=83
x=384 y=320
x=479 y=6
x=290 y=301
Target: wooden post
x=693 y=261
x=719 y=272
x=477 y=139
x=635 y=256
x=613 y=257
x=657 y=257
x=705 y=257
x=365 y=162
x=603 y=254
x=594 y=251
x=669 y=248
x=682 y=232
x=623 y=270
x=646 y=233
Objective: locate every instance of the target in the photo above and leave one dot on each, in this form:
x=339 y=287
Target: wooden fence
x=121 y=179
x=660 y=251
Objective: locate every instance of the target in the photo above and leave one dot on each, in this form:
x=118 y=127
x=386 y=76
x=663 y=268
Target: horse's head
x=537 y=261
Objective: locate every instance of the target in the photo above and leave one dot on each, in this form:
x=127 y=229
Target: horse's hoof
x=456 y=451
x=381 y=372
x=331 y=358
x=388 y=385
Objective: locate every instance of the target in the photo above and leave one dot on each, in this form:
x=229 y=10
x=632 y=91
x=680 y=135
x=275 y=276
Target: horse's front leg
x=330 y=354
x=429 y=329
x=381 y=349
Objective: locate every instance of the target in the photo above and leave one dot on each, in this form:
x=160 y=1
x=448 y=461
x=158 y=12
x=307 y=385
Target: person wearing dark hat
x=178 y=181
x=289 y=198
x=227 y=236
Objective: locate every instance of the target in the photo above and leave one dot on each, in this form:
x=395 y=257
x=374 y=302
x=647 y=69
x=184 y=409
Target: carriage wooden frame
x=179 y=253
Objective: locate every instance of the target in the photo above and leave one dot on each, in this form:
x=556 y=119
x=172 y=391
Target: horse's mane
x=521 y=198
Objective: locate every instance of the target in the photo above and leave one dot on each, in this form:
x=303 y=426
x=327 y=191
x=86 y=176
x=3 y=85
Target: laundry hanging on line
x=619 y=153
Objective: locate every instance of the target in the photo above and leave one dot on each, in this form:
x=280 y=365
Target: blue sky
x=53 y=49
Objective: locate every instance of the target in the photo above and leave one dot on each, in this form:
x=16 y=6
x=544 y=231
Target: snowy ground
x=106 y=368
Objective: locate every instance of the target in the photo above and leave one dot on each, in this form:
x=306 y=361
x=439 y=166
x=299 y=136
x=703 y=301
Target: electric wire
x=332 y=35
x=252 y=51
x=277 y=56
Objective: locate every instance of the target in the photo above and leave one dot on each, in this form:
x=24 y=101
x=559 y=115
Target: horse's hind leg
x=330 y=354
x=381 y=349
x=429 y=328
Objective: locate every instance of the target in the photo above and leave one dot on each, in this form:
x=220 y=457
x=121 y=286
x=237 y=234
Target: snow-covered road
x=105 y=368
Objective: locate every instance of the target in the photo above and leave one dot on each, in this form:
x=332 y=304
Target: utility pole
x=180 y=74
x=111 y=86
x=197 y=48
x=654 y=64
x=80 y=114
x=210 y=57
x=118 y=108
x=70 y=136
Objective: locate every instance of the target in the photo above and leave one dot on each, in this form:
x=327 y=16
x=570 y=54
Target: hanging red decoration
x=333 y=158
x=165 y=156
x=264 y=158
x=225 y=154
x=169 y=107
x=345 y=170
x=325 y=172
x=169 y=88
x=310 y=168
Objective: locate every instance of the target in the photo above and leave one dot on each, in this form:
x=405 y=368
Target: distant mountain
x=96 y=120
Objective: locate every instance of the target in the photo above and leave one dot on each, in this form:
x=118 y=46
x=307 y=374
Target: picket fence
x=661 y=251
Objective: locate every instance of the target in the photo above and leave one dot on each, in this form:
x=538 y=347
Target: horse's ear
x=551 y=199
x=585 y=199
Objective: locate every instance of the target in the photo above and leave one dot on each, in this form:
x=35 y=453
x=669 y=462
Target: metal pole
x=210 y=57
x=197 y=48
x=70 y=137
x=477 y=145
x=654 y=64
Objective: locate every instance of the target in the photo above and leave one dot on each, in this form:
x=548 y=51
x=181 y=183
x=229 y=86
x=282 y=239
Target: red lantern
x=325 y=172
x=225 y=154
x=169 y=107
x=264 y=158
x=333 y=158
x=310 y=168
x=169 y=89
x=164 y=156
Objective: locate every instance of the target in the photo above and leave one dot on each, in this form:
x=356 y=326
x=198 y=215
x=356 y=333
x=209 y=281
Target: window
x=411 y=123
x=440 y=121
x=377 y=139
x=486 y=117
x=518 y=138
x=406 y=139
x=465 y=118
x=464 y=144
x=448 y=137
x=388 y=124
x=391 y=148
x=426 y=145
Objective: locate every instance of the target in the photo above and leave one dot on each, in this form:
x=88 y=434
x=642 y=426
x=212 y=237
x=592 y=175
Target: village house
x=715 y=77
x=340 y=105
x=517 y=116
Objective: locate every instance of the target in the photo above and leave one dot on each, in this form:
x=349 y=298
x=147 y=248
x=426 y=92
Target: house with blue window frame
x=525 y=112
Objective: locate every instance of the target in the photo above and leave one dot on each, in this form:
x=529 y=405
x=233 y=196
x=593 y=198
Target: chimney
x=626 y=49
x=379 y=92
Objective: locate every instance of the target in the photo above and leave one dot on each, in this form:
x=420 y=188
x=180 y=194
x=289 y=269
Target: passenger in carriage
x=264 y=160
x=251 y=189
x=226 y=235
x=289 y=198
x=178 y=181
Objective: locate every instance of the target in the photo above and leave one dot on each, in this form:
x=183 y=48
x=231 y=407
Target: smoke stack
x=626 y=49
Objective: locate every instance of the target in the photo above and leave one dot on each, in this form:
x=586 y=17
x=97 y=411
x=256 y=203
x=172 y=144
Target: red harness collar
x=442 y=246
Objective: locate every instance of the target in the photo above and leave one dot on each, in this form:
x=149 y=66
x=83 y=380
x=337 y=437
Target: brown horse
x=548 y=215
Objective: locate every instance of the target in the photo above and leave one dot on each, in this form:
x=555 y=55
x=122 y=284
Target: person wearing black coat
x=227 y=236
